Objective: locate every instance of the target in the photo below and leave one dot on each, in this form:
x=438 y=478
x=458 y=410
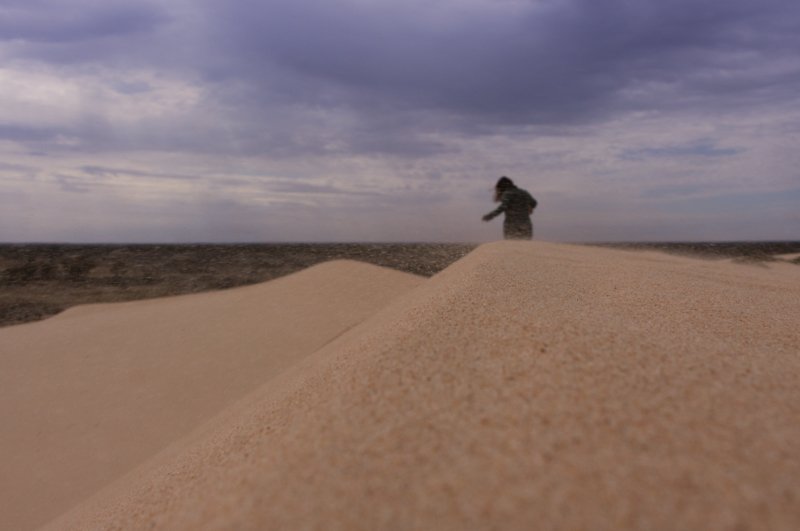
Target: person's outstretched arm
x=497 y=211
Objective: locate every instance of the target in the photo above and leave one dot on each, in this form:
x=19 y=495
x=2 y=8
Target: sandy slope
x=89 y=394
x=528 y=386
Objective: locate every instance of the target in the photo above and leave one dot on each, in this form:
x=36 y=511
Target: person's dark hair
x=503 y=184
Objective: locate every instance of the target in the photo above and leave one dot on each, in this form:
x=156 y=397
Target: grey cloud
x=672 y=192
x=28 y=134
x=68 y=183
x=701 y=148
x=90 y=134
x=553 y=62
x=110 y=173
x=111 y=33
x=57 y=22
x=288 y=186
x=10 y=167
x=132 y=87
x=407 y=77
x=401 y=72
x=393 y=139
x=362 y=200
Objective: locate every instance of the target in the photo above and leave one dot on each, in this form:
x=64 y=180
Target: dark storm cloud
x=118 y=33
x=403 y=79
x=76 y=21
x=512 y=63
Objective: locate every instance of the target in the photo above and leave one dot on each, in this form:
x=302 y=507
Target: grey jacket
x=517 y=205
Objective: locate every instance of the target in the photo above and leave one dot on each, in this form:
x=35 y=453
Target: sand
x=527 y=386
x=788 y=257
x=89 y=394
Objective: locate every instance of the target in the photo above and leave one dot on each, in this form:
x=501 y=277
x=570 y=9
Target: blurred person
x=518 y=205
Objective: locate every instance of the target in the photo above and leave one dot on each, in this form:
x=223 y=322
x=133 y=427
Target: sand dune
x=89 y=394
x=528 y=386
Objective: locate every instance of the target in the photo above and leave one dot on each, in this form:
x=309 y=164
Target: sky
x=384 y=120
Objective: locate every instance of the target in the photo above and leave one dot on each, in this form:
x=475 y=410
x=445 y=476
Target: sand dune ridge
x=528 y=385
x=89 y=394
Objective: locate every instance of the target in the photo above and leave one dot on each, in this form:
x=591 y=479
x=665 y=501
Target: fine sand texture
x=527 y=386
x=89 y=394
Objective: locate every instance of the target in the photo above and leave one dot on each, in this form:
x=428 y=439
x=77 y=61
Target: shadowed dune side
x=528 y=386
x=91 y=393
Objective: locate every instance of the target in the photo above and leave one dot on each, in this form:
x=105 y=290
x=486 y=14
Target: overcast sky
x=371 y=120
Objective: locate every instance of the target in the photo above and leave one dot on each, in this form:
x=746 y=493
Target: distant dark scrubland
x=40 y=280
x=738 y=251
